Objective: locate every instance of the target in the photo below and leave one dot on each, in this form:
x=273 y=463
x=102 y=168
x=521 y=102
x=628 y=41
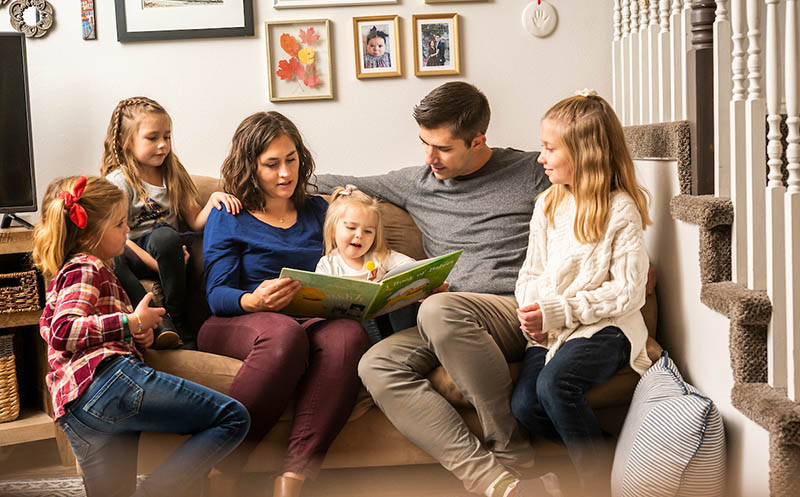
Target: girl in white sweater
x=582 y=283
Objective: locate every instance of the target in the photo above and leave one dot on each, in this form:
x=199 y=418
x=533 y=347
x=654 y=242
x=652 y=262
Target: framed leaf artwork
x=299 y=61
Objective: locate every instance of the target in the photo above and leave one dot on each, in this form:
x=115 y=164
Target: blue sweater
x=239 y=252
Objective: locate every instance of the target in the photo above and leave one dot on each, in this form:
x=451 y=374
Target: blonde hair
x=117 y=154
x=601 y=164
x=341 y=199
x=56 y=238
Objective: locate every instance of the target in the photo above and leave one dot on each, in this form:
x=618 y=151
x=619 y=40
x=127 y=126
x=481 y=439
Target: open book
x=328 y=296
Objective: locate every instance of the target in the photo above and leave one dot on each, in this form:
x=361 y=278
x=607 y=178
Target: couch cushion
x=672 y=442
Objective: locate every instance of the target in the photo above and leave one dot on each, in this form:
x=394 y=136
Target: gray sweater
x=486 y=213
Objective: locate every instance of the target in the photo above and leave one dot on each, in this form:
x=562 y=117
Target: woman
x=313 y=361
x=433 y=54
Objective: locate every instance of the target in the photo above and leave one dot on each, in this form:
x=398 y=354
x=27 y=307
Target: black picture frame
x=123 y=35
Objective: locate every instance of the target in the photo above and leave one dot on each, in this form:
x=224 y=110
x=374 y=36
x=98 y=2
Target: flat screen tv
x=17 y=183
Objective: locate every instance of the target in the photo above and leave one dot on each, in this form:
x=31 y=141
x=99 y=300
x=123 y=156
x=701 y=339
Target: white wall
x=696 y=337
x=209 y=86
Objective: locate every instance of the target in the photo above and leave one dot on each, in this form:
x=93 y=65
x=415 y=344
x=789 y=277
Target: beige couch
x=368 y=439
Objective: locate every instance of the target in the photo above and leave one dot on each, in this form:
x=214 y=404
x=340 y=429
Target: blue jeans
x=549 y=400
x=127 y=397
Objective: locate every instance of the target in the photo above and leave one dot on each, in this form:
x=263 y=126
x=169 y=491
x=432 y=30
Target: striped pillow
x=672 y=442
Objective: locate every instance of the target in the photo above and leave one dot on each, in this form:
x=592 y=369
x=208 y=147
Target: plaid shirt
x=82 y=325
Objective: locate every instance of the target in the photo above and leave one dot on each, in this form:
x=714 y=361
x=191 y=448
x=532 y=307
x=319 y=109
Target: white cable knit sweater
x=584 y=287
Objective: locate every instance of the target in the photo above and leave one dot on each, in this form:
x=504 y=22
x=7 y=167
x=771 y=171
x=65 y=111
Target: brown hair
x=125 y=122
x=56 y=238
x=240 y=168
x=457 y=105
x=601 y=162
x=343 y=197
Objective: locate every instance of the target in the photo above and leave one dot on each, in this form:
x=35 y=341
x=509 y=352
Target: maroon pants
x=312 y=361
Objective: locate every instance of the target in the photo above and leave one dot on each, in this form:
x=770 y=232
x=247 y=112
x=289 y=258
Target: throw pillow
x=672 y=442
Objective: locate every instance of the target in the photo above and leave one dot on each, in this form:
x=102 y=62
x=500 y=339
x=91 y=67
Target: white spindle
x=664 y=96
x=676 y=68
x=652 y=63
x=722 y=97
x=633 y=41
x=792 y=199
x=686 y=44
x=625 y=63
x=615 y=62
x=738 y=130
x=643 y=67
x=776 y=267
x=755 y=144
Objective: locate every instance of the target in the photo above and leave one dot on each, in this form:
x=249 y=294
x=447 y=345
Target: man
x=441 y=46
x=480 y=199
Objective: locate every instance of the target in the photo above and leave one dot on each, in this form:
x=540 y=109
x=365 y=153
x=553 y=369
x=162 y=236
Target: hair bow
x=348 y=189
x=586 y=92
x=77 y=213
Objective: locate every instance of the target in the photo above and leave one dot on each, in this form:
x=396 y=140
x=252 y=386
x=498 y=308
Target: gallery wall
x=210 y=85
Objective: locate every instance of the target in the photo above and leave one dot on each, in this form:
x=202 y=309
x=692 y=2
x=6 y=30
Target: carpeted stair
x=749 y=311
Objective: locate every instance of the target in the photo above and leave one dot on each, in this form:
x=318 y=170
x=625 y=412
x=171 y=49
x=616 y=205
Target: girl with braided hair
x=103 y=394
x=138 y=158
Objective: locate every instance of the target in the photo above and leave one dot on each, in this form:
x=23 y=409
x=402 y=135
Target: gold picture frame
x=299 y=60
x=436 y=46
x=381 y=33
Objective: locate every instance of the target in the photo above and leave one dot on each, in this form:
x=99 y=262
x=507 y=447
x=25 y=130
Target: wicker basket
x=9 y=394
x=22 y=296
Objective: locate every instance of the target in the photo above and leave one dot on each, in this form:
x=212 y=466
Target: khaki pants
x=473 y=336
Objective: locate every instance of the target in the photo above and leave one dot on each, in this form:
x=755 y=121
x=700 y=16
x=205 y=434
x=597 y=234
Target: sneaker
x=545 y=485
x=166 y=337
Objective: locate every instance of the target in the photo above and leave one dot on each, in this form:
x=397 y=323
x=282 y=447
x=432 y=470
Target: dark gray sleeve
x=394 y=187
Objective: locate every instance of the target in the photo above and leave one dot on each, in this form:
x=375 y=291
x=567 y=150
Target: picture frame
x=376 y=44
x=149 y=20
x=296 y=4
x=452 y=1
x=299 y=60
x=436 y=46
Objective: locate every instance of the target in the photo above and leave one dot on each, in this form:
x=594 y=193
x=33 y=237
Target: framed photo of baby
x=376 y=42
x=436 y=44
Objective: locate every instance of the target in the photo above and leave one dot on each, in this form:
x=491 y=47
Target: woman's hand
x=270 y=295
x=231 y=203
x=530 y=321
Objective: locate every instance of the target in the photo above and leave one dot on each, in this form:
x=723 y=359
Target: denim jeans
x=127 y=397
x=549 y=400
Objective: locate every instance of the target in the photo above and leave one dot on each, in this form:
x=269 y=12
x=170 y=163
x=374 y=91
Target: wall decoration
x=539 y=18
x=299 y=60
x=376 y=43
x=436 y=44
x=452 y=1
x=294 y=4
x=33 y=18
x=88 y=30
x=143 y=20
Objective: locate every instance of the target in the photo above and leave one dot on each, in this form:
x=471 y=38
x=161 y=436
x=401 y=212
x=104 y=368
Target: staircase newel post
x=701 y=96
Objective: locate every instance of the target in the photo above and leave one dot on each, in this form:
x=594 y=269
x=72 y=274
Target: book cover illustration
x=328 y=296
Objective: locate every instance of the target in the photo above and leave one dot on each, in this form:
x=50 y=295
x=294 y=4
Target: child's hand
x=231 y=203
x=530 y=321
x=444 y=287
x=143 y=339
x=185 y=255
x=148 y=317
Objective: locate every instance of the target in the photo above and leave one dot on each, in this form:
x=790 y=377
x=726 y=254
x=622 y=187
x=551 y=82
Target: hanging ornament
x=539 y=18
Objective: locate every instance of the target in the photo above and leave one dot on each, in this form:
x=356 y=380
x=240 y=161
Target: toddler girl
x=582 y=283
x=103 y=394
x=376 y=54
x=138 y=158
x=355 y=248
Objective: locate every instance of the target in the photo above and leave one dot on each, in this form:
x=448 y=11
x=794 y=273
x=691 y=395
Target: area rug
x=47 y=487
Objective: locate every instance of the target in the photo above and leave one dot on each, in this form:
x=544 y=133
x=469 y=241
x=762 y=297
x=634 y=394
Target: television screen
x=17 y=186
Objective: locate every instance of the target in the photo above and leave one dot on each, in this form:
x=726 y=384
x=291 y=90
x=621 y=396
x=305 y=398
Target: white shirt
x=334 y=265
x=583 y=287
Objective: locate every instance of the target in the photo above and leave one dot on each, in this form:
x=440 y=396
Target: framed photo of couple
x=436 y=49
x=377 y=46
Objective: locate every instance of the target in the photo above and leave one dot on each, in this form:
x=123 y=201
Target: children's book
x=327 y=296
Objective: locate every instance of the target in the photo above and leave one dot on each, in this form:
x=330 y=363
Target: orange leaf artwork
x=289 y=44
x=311 y=80
x=308 y=37
x=288 y=69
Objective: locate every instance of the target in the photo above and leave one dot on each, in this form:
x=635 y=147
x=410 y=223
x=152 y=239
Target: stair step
x=742 y=306
x=706 y=211
x=771 y=409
